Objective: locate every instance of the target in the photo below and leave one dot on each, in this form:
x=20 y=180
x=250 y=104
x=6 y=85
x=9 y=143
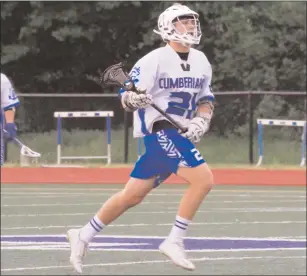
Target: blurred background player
x=176 y=78
x=9 y=101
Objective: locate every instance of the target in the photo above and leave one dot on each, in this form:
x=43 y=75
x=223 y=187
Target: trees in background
x=58 y=47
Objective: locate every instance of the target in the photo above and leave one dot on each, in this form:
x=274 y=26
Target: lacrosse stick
x=115 y=75
x=26 y=154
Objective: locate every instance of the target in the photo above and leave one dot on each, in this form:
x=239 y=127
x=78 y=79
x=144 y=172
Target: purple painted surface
x=153 y=243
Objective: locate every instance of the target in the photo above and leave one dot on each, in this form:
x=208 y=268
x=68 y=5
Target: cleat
x=78 y=249
x=174 y=250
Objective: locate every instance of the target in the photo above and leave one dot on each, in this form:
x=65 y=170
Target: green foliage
x=58 y=47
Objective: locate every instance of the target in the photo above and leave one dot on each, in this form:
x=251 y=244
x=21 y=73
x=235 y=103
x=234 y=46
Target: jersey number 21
x=179 y=107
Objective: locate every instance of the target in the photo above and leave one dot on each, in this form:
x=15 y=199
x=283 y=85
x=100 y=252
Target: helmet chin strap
x=185 y=44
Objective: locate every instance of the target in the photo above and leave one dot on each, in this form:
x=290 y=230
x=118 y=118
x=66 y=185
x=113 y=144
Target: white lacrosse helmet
x=168 y=31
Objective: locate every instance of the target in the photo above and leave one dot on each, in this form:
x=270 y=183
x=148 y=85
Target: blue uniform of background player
x=9 y=101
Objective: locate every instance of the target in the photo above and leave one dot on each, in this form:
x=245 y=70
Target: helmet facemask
x=186 y=30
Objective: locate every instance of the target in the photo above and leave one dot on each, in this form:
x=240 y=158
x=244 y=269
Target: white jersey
x=8 y=95
x=176 y=86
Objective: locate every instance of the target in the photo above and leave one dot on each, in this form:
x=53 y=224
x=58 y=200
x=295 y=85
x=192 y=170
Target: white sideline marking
x=68 y=195
x=276 y=238
x=215 y=210
x=250 y=210
x=59 y=204
x=58 y=247
x=154 y=261
x=158 y=224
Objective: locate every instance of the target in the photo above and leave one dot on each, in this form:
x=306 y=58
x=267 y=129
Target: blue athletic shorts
x=166 y=150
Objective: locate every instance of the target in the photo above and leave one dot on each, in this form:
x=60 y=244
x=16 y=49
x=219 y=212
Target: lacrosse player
x=9 y=101
x=176 y=78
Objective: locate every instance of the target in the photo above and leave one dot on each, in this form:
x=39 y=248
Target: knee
x=131 y=199
x=203 y=179
x=208 y=179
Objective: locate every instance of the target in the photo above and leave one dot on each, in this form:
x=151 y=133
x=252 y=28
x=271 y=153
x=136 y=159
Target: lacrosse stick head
x=116 y=75
x=28 y=157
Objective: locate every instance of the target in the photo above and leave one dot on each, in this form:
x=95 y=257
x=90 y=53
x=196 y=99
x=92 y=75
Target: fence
x=249 y=99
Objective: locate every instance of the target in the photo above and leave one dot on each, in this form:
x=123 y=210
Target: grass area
x=214 y=166
x=218 y=151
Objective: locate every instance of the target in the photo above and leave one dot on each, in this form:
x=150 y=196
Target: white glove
x=132 y=101
x=197 y=127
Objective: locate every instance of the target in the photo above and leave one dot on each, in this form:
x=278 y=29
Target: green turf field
x=237 y=231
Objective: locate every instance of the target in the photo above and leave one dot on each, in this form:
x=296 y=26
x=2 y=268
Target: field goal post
x=274 y=122
x=83 y=114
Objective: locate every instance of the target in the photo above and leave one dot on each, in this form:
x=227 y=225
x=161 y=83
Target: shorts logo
x=167 y=145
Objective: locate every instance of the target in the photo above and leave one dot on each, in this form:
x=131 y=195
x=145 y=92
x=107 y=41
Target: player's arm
x=9 y=102
x=205 y=107
x=143 y=75
x=200 y=124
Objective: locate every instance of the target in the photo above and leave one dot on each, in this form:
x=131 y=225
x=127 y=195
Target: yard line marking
x=277 y=238
x=208 y=210
x=68 y=195
x=153 y=261
x=18 y=192
x=250 y=210
x=59 y=204
x=57 y=248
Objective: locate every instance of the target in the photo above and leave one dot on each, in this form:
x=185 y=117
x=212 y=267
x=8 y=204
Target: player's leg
x=200 y=181
x=197 y=173
x=133 y=193
x=140 y=184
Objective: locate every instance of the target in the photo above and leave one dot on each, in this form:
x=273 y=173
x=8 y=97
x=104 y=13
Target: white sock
x=179 y=229
x=90 y=230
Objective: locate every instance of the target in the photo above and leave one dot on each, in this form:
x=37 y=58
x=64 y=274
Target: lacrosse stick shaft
x=115 y=75
x=16 y=140
x=168 y=117
x=172 y=121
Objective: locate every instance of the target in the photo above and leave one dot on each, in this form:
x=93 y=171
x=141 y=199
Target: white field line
x=207 y=259
x=275 y=238
x=53 y=248
x=39 y=227
x=84 y=195
x=60 y=204
x=66 y=245
x=215 y=210
x=250 y=209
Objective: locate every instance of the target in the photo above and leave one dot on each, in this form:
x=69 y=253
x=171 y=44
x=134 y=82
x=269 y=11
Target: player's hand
x=197 y=127
x=10 y=131
x=137 y=101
